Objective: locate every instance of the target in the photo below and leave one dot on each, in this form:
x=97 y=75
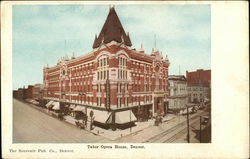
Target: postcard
x=122 y=79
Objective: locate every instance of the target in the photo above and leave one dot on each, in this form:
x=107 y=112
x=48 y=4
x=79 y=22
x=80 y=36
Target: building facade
x=21 y=93
x=112 y=78
x=198 y=93
x=199 y=77
x=199 y=85
x=178 y=95
x=37 y=91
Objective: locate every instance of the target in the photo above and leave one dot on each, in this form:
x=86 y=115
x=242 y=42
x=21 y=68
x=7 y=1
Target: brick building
x=118 y=83
x=199 y=77
x=29 y=92
x=21 y=93
x=199 y=85
x=37 y=91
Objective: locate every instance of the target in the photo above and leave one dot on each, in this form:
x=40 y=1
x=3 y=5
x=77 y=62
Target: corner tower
x=112 y=30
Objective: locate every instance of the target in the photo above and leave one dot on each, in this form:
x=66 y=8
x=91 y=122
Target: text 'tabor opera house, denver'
x=113 y=80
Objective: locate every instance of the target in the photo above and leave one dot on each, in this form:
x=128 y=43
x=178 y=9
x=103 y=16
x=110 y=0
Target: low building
x=198 y=93
x=29 y=92
x=37 y=91
x=178 y=96
x=15 y=93
x=21 y=93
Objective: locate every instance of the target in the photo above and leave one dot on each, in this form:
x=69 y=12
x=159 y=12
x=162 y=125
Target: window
x=120 y=102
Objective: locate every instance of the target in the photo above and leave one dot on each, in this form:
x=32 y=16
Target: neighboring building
x=198 y=93
x=37 y=91
x=21 y=93
x=178 y=96
x=15 y=93
x=199 y=77
x=199 y=85
x=112 y=79
x=29 y=92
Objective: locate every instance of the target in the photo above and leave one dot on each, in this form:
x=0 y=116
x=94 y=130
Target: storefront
x=125 y=119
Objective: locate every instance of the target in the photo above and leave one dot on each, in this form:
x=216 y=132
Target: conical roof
x=112 y=30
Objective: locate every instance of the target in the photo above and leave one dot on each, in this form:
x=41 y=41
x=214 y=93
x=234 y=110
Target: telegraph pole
x=188 y=139
x=130 y=120
x=200 y=129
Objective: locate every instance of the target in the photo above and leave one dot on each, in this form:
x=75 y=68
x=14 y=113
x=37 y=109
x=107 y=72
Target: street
x=32 y=126
x=173 y=131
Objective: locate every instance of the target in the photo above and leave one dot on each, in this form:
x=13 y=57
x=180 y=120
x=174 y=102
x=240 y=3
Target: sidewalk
x=108 y=133
x=114 y=135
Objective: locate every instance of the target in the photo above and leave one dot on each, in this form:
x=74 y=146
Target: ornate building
x=118 y=83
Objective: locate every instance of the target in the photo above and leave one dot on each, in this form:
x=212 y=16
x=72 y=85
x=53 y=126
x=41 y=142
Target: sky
x=42 y=34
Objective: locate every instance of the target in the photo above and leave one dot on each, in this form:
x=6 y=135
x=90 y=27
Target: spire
x=112 y=30
x=141 y=50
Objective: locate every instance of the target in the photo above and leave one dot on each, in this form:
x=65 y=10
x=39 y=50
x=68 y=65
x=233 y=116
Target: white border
x=230 y=111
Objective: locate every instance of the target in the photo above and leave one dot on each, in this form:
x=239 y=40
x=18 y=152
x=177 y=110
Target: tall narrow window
x=120 y=102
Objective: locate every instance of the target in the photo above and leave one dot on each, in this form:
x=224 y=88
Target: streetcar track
x=179 y=134
x=161 y=135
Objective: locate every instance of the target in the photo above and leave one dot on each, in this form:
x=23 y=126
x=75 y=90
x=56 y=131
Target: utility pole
x=188 y=139
x=200 y=129
x=130 y=120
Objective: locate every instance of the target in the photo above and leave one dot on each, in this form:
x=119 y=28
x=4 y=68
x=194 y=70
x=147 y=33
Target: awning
x=72 y=106
x=56 y=106
x=190 y=109
x=124 y=117
x=79 y=108
x=49 y=104
x=101 y=116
